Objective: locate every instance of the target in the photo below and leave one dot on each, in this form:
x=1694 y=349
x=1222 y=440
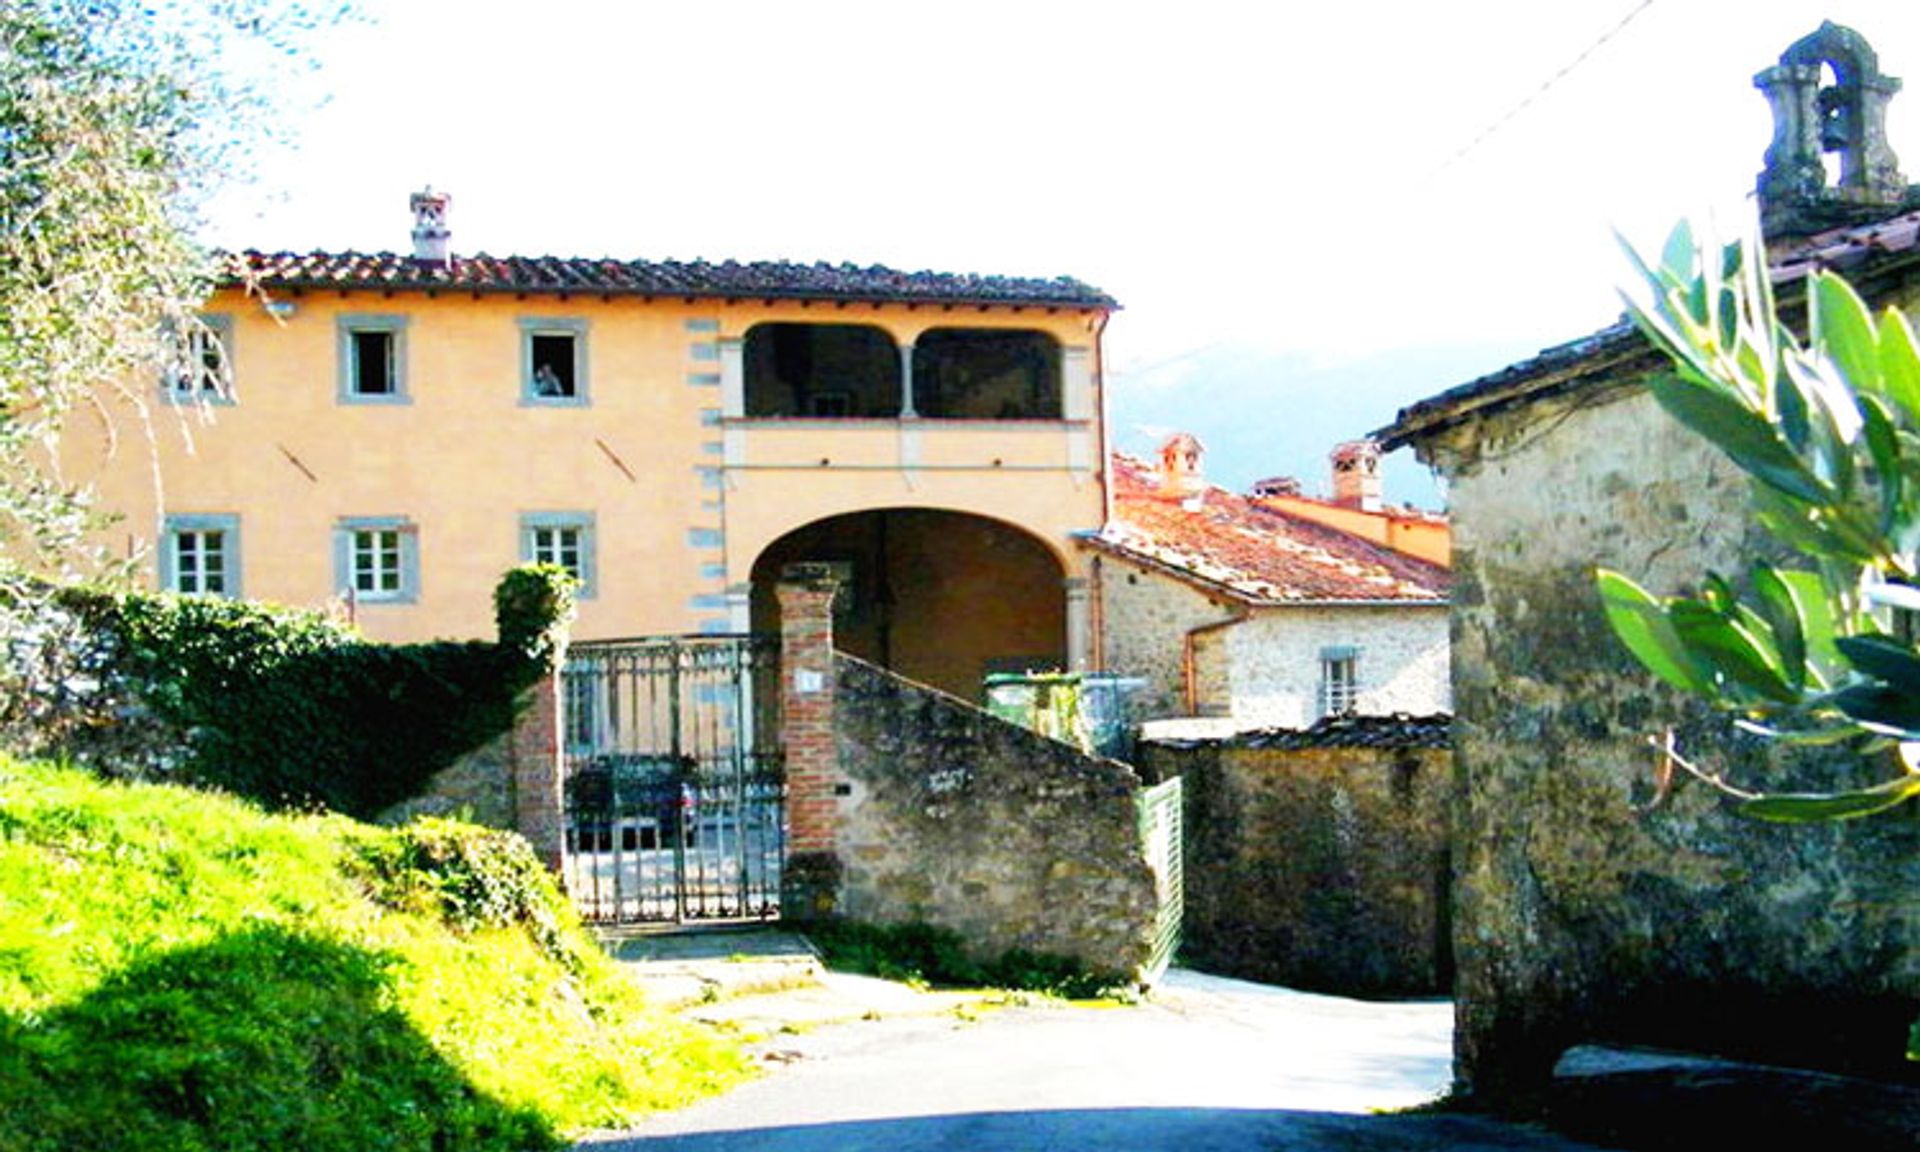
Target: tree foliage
x=117 y=118
x=1821 y=649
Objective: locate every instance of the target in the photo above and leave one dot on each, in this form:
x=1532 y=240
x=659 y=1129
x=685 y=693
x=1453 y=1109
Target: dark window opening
x=553 y=364
x=978 y=374
x=203 y=371
x=212 y=365
x=822 y=370
x=373 y=364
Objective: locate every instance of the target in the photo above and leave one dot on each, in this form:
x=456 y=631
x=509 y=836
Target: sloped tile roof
x=1405 y=513
x=666 y=278
x=1396 y=731
x=1618 y=354
x=1259 y=556
x=1849 y=250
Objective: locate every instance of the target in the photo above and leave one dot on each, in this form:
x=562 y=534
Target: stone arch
x=987 y=374
x=1829 y=100
x=826 y=371
x=936 y=596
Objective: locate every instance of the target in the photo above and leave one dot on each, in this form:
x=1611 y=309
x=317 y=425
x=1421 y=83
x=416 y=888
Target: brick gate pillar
x=810 y=880
x=534 y=756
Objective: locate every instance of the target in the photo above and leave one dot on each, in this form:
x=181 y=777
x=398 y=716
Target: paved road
x=1210 y=1064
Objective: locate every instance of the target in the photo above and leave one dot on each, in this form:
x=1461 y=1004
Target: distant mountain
x=1262 y=413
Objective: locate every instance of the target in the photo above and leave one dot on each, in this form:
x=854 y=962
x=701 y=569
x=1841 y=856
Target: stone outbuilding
x=1246 y=616
x=1582 y=910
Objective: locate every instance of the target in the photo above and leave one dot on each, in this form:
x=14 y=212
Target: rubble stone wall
x=952 y=817
x=1583 y=911
x=1323 y=868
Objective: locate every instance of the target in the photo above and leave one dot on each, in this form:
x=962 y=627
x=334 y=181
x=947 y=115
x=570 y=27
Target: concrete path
x=1206 y=1064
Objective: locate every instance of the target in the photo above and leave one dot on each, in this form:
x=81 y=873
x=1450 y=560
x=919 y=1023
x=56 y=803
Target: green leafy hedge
x=293 y=709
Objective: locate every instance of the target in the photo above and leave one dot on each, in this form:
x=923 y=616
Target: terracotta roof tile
x=1396 y=731
x=1406 y=513
x=1846 y=249
x=1259 y=555
x=698 y=278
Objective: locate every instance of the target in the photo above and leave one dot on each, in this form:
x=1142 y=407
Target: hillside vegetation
x=180 y=970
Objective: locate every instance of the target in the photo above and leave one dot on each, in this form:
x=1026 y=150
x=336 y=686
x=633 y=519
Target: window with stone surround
x=203 y=373
x=564 y=539
x=1339 y=680
x=553 y=361
x=377 y=559
x=373 y=359
x=200 y=555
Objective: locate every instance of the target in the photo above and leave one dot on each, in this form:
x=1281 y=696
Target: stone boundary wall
x=513 y=782
x=478 y=787
x=1318 y=859
x=953 y=817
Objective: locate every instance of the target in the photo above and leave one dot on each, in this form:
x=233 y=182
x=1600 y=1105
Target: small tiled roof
x=1851 y=250
x=1406 y=513
x=1396 y=731
x=769 y=280
x=1618 y=354
x=1258 y=556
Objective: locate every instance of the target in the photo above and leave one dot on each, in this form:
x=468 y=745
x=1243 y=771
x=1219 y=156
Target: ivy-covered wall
x=288 y=707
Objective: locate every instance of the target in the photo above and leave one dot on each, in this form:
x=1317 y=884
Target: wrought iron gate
x=673 y=779
x=1161 y=838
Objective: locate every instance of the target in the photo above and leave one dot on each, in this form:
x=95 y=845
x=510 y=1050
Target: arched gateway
x=939 y=597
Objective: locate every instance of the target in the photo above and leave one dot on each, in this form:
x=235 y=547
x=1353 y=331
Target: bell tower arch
x=1828 y=96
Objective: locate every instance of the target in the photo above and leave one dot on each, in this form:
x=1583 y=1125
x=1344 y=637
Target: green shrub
x=470 y=877
x=532 y=608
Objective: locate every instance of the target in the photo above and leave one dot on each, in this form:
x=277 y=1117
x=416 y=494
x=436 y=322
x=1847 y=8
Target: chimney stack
x=1356 y=475
x=431 y=236
x=1180 y=473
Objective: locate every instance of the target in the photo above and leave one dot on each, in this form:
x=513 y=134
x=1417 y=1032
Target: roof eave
x=236 y=273
x=1248 y=599
x=1868 y=266
x=1186 y=575
x=1555 y=370
x=306 y=285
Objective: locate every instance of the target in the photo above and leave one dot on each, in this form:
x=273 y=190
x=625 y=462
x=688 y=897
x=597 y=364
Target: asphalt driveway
x=1208 y=1064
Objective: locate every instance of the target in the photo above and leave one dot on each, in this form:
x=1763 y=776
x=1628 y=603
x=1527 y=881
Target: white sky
x=1274 y=175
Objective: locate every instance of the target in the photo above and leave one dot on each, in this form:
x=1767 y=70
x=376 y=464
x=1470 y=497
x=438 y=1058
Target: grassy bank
x=182 y=971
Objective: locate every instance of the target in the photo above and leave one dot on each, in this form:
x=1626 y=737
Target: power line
x=1535 y=95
